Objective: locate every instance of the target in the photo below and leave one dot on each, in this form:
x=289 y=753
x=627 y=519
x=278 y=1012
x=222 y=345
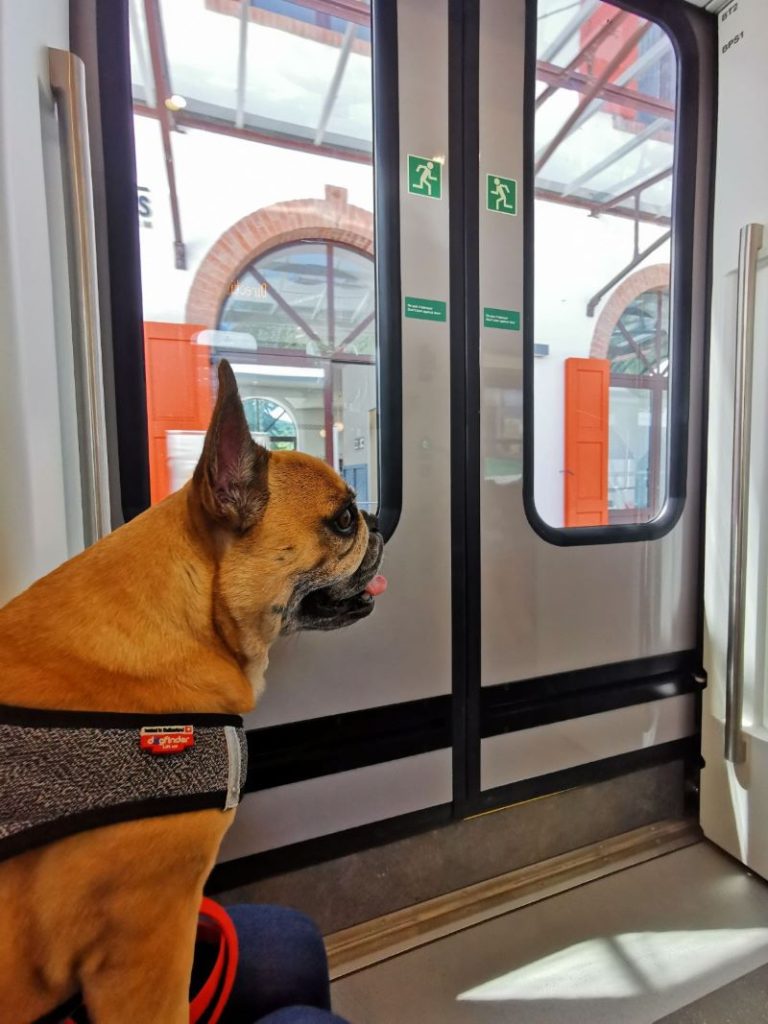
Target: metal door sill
x=371 y=942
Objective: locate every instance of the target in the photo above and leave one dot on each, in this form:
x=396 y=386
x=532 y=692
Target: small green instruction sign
x=501 y=194
x=425 y=309
x=506 y=319
x=425 y=176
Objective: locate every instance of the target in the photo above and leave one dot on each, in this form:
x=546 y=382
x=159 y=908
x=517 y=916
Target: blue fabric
x=301 y=1015
x=282 y=974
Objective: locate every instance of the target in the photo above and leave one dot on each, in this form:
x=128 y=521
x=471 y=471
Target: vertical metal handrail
x=67 y=73
x=750 y=240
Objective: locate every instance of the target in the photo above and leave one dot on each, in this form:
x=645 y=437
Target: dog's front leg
x=144 y=974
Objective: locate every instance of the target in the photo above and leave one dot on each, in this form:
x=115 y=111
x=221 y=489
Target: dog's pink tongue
x=377 y=586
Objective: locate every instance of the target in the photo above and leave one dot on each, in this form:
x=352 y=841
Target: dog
x=173 y=613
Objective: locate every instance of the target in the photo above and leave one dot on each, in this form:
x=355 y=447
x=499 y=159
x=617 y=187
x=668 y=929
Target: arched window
x=298 y=326
x=313 y=297
x=272 y=422
x=638 y=351
x=639 y=344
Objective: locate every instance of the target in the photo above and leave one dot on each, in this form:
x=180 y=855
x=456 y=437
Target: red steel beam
x=620 y=94
x=549 y=196
x=162 y=92
x=636 y=190
x=349 y=10
x=636 y=260
x=610 y=26
x=189 y=119
x=613 y=64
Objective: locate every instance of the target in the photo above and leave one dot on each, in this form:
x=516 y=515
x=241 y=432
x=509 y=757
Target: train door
x=585 y=250
x=457 y=248
x=275 y=231
x=734 y=737
x=523 y=405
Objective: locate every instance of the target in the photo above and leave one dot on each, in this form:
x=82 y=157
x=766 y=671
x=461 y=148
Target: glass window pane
x=240 y=249
x=604 y=155
x=355 y=430
x=297 y=399
x=291 y=55
x=629 y=448
x=354 y=298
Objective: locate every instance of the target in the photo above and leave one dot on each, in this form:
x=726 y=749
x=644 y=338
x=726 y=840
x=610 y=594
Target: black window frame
x=674 y=20
x=122 y=231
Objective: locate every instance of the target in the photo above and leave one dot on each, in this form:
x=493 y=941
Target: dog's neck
x=133 y=623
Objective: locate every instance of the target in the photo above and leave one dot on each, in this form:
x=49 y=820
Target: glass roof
x=307 y=69
x=606 y=104
x=606 y=88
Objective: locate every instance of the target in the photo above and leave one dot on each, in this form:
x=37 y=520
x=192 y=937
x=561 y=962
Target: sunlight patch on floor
x=621 y=966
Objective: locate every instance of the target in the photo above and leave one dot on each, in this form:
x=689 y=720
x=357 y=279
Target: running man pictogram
x=425 y=176
x=501 y=194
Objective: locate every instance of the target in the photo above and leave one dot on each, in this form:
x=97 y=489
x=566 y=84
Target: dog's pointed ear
x=231 y=476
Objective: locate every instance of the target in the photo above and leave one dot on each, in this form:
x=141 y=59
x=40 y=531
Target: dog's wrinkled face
x=334 y=550
x=295 y=552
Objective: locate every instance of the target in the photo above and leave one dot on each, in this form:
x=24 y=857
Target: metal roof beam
x=644 y=216
x=194 y=119
x=637 y=67
x=610 y=92
x=242 y=63
x=162 y=92
x=615 y=156
x=645 y=61
x=570 y=29
x=335 y=83
x=572 y=120
x=636 y=190
x=636 y=260
x=348 y=10
x=610 y=26
x=139 y=40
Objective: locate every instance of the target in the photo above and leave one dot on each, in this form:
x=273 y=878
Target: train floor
x=681 y=939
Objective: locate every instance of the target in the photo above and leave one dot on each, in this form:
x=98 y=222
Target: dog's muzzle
x=349 y=600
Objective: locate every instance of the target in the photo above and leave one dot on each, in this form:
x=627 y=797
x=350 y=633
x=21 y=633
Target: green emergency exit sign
x=501 y=194
x=425 y=176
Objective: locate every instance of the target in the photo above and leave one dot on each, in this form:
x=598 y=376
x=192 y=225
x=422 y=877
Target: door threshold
x=371 y=942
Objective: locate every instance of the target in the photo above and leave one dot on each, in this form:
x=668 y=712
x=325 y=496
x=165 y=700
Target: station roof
x=296 y=73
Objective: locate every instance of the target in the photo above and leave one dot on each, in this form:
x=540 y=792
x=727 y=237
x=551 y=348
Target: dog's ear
x=231 y=476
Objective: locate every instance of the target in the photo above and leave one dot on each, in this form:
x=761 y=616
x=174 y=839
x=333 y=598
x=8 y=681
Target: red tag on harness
x=167 y=739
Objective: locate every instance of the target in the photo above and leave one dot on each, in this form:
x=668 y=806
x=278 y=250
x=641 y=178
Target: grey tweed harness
x=63 y=772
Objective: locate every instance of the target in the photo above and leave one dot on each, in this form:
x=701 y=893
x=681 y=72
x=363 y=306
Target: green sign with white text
x=506 y=319
x=425 y=176
x=425 y=309
x=501 y=194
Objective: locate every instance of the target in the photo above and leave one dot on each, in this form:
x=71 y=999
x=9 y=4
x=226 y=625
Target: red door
x=586 y=442
x=179 y=392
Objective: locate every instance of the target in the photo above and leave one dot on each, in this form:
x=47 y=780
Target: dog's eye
x=344 y=521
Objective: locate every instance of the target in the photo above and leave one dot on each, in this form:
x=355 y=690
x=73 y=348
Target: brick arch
x=332 y=219
x=656 y=276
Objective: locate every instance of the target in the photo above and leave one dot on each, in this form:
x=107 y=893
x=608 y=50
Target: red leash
x=214 y=927
x=210 y=1001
